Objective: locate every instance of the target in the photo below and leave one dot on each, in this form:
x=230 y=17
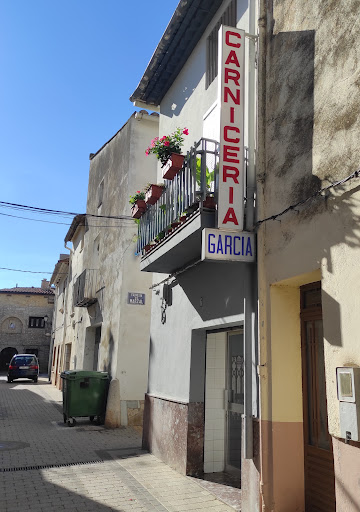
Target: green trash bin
x=84 y=394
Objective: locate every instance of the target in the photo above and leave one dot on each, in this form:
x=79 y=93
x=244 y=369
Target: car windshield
x=24 y=361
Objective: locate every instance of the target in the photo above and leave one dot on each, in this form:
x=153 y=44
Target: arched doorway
x=5 y=357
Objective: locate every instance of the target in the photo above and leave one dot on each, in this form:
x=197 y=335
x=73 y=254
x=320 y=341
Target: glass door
x=234 y=401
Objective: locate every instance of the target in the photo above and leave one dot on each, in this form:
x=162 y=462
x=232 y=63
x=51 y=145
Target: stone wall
x=15 y=310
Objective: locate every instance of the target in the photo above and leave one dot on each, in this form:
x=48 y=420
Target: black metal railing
x=195 y=182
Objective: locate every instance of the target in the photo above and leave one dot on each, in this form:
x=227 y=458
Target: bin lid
x=81 y=374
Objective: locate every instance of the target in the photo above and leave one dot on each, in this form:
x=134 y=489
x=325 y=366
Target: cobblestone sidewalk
x=47 y=466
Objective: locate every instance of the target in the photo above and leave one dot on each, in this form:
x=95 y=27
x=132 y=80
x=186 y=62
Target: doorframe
x=307 y=315
x=228 y=467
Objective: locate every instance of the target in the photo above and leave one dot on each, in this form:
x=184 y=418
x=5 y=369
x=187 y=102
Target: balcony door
x=318 y=454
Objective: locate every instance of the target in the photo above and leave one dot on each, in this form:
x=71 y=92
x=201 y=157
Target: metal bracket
x=251 y=36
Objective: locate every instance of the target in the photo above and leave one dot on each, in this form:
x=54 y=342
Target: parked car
x=23 y=366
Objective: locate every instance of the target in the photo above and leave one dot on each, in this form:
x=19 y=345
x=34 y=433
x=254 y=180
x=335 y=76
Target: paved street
x=47 y=466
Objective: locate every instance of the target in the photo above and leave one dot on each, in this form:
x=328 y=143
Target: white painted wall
x=215 y=382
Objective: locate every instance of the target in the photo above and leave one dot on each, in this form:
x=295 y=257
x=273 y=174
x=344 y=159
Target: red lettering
x=231 y=195
x=228 y=92
x=231 y=173
x=227 y=38
x=230 y=154
x=230 y=217
x=226 y=135
x=232 y=115
x=232 y=74
x=232 y=59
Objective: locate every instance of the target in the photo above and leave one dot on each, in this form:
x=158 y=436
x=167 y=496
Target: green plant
x=136 y=197
x=163 y=147
x=209 y=176
x=163 y=207
x=160 y=236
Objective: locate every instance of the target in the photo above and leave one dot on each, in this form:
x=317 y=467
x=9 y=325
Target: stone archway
x=5 y=357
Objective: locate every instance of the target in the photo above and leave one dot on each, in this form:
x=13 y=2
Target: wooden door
x=318 y=454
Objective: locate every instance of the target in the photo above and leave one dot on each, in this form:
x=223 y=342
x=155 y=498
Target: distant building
x=25 y=323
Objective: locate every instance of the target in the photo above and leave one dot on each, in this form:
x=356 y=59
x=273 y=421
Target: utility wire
x=62 y=223
x=36 y=209
x=28 y=271
x=355 y=174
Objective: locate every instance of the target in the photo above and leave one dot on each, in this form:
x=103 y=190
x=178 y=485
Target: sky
x=67 y=71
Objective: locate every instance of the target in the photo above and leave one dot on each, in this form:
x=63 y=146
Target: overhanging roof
x=60 y=271
x=182 y=34
x=78 y=220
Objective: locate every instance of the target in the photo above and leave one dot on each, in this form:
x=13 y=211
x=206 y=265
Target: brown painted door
x=319 y=461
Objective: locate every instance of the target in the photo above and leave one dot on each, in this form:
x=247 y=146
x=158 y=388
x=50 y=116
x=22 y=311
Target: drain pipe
x=250 y=277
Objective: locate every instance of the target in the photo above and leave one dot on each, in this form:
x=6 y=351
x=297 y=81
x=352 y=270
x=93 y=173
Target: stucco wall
x=205 y=297
x=311 y=93
x=311 y=141
x=108 y=254
x=187 y=100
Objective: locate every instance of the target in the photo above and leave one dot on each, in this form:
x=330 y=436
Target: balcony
x=85 y=288
x=169 y=234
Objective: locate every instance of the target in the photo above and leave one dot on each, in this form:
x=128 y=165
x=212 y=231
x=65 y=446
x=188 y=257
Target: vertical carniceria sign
x=231 y=101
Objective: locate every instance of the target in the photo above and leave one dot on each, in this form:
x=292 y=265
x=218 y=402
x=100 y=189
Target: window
x=228 y=18
x=100 y=193
x=36 y=321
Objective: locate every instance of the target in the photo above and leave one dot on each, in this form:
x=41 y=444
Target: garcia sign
x=226 y=245
x=231 y=101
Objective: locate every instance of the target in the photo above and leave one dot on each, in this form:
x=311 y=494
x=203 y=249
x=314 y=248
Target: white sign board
x=223 y=245
x=231 y=101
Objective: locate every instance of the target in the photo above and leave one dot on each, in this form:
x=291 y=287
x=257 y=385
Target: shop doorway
x=234 y=402
x=318 y=453
x=224 y=406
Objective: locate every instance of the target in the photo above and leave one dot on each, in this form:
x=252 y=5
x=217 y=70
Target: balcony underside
x=182 y=247
x=85 y=302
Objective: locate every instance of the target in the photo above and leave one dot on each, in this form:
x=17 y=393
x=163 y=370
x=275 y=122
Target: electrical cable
x=29 y=271
x=62 y=223
x=47 y=211
x=355 y=174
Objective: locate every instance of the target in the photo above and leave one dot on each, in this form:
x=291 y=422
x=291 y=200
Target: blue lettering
x=228 y=244
x=211 y=247
x=248 y=247
x=236 y=238
x=219 y=247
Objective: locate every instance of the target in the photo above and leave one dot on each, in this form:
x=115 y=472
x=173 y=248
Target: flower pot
x=153 y=193
x=209 y=202
x=173 y=166
x=138 y=209
x=148 y=247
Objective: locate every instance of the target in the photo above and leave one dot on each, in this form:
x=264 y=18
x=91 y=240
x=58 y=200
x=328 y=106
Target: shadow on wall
x=214 y=293
x=333 y=319
x=109 y=347
x=289 y=146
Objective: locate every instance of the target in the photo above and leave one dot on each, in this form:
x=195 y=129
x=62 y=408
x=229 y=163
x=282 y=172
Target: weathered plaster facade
x=109 y=333
x=17 y=306
x=308 y=139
